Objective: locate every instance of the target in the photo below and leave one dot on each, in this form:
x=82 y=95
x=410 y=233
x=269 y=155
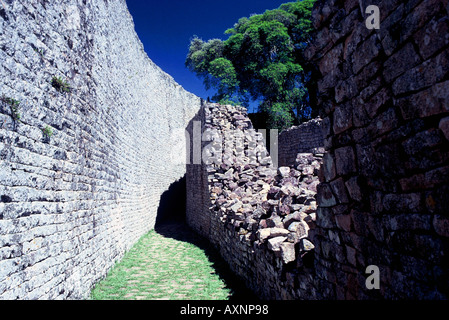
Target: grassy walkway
x=170 y=263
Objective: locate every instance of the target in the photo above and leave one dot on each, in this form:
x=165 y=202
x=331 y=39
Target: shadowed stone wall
x=384 y=96
x=307 y=137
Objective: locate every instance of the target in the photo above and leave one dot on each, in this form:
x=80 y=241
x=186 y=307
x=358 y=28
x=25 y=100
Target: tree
x=260 y=61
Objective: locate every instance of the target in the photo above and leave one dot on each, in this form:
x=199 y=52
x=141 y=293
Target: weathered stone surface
x=415 y=221
x=433 y=37
x=390 y=150
x=354 y=189
x=306 y=245
x=284 y=171
x=339 y=190
x=366 y=53
x=432 y=101
x=344 y=222
x=441 y=225
x=423 y=75
x=75 y=202
x=343 y=118
x=444 y=126
x=274 y=244
x=277 y=232
x=402 y=203
x=325 y=197
x=288 y=253
x=345 y=161
x=401 y=61
x=383 y=180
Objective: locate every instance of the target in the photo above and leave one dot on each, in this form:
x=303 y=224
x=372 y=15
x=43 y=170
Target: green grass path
x=171 y=263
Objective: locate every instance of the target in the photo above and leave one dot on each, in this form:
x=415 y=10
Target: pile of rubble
x=264 y=205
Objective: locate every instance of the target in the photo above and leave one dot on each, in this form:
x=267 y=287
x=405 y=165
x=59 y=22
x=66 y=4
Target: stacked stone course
x=257 y=215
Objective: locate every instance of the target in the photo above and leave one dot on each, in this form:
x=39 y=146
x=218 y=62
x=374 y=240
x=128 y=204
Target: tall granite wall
x=72 y=204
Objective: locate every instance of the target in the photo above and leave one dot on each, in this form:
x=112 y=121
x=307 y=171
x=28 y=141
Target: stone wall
x=307 y=137
x=257 y=216
x=383 y=198
x=72 y=204
x=383 y=96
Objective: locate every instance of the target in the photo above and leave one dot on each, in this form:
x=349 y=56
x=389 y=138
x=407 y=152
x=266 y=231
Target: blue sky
x=166 y=27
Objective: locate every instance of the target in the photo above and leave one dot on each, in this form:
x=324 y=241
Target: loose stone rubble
x=257 y=213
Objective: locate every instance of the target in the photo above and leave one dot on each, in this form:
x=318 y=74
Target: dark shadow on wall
x=172 y=205
x=182 y=232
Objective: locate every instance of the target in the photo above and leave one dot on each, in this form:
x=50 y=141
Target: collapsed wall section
x=75 y=199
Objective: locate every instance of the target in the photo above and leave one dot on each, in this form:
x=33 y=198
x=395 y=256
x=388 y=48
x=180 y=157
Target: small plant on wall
x=47 y=132
x=14 y=107
x=60 y=85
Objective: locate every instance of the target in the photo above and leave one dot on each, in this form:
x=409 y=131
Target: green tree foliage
x=260 y=61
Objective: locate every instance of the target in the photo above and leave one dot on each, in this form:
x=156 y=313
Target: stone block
x=345 y=90
x=424 y=75
x=406 y=58
x=325 y=218
x=344 y=222
x=284 y=171
x=383 y=123
x=331 y=60
x=367 y=51
x=278 y=232
x=441 y=225
x=420 y=15
x=354 y=189
x=399 y=203
x=321 y=12
x=274 y=244
x=306 y=245
x=288 y=252
x=426 y=180
x=329 y=170
x=444 y=127
x=342 y=118
x=345 y=161
x=339 y=190
x=422 y=141
x=413 y=221
x=378 y=100
x=390 y=30
x=433 y=37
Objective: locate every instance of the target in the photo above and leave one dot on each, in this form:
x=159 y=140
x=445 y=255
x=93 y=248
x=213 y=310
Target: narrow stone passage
x=170 y=263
